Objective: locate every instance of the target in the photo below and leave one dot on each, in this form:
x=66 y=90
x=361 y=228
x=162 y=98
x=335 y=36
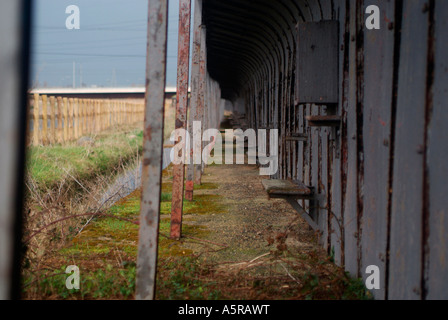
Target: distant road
x=99 y=92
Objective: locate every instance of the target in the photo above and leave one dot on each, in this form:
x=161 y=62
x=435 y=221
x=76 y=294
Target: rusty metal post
x=15 y=21
x=201 y=100
x=152 y=149
x=194 y=110
x=181 y=113
x=206 y=124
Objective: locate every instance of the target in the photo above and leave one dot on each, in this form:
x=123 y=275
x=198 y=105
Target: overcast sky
x=108 y=50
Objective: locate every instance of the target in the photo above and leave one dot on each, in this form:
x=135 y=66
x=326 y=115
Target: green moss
x=84 y=249
x=206 y=186
x=170 y=248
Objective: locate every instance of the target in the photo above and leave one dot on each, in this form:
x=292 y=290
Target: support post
x=15 y=21
x=181 y=114
x=194 y=110
x=152 y=149
x=201 y=102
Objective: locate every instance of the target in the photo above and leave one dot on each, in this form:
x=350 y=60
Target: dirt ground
x=236 y=244
x=250 y=221
x=257 y=248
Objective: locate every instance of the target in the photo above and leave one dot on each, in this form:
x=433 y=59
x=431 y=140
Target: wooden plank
x=378 y=90
x=323 y=188
x=407 y=198
x=324 y=121
x=350 y=166
x=336 y=186
x=36 y=126
x=52 y=120
x=76 y=118
x=307 y=156
x=285 y=187
x=300 y=148
x=314 y=169
x=70 y=119
x=66 y=120
x=296 y=137
x=60 y=137
x=437 y=282
x=82 y=117
x=44 y=120
x=317 y=60
x=293 y=202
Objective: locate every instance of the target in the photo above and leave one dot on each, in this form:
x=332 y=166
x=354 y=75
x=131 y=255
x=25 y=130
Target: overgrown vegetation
x=106 y=253
x=48 y=165
x=65 y=182
x=65 y=190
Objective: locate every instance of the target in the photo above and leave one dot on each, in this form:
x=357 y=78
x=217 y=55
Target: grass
x=46 y=165
x=106 y=253
x=100 y=284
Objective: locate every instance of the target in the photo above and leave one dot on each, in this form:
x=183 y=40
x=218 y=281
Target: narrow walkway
x=253 y=247
x=237 y=244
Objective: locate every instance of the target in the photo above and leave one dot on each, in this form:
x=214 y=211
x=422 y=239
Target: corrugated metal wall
x=380 y=176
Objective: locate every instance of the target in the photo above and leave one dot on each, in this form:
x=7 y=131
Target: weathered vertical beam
x=81 y=116
x=378 y=96
x=66 y=121
x=97 y=116
x=76 y=117
x=437 y=282
x=101 y=115
x=60 y=137
x=301 y=118
x=194 y=110
x=406 y=238
x=314 y=165
x=44 y=120
x=152 y=149
x=181 y=113
x=14 y=38
x=70 y=119
x=338 y=154
x=350 y=226
x=52 y=120
x=323 y=187
x=36 y=125
x=307 y=154
x=92 y=116
x=89 y=116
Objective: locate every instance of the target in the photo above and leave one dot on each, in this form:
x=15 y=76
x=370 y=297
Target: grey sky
x=109 y=49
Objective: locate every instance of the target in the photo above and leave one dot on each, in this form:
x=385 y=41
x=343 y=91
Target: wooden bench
x=293 y=191
x=324 y=121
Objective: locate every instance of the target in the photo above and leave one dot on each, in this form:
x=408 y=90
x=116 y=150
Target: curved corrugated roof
x=246 y=37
